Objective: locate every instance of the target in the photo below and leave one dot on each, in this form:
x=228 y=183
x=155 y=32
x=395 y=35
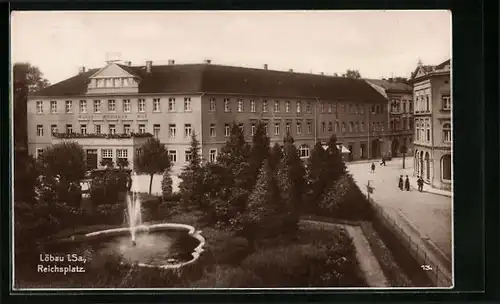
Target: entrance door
x=351 y=157
x=91 y=159
x=375 y=149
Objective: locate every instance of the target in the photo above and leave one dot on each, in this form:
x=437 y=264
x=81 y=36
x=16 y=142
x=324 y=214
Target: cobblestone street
x=429 y=213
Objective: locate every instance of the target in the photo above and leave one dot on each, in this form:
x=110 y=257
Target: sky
x=377 y=43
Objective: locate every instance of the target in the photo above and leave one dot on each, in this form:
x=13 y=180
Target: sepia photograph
x=232 y=150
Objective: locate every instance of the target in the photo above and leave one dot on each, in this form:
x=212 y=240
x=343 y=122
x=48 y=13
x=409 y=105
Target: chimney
x=81 y=70
x=171 y=62
x=149 y=64
x=290 y=70
x=265 y=66
x=128 y=63
x=208 y=61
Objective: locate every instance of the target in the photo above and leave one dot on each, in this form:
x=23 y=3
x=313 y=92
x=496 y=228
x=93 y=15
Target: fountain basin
x=164 y=245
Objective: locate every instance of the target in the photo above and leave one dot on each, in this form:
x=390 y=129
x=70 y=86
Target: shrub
x=106 y=187
x=166 y=184
x=225 y=247
x=345 y=200
x=113 y=214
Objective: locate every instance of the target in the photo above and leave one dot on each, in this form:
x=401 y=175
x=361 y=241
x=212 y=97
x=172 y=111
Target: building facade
x=433 y=135
x=173 y=101
x=400 y=113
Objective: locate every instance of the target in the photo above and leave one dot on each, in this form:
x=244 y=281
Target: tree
x=191 y=186
x=27 y=79
x=262 y=207
x=26 y=178
x=352 y=74
x=317 y=174
x=260 y=151
x=63 y=166
x=152 y=160
x=398 y=79
x=275 y=156
x=403 y=150
x=334 y=163
x=166 y=184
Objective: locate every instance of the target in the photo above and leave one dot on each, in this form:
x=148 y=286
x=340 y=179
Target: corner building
x=172 y=101
x=433 y=134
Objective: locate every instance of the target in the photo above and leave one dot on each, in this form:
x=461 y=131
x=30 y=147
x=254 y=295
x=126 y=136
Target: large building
x=432 y=112
x=172 y=101
x=400 y=110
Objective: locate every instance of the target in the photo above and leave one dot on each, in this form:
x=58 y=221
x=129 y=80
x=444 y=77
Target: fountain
x=164 y=245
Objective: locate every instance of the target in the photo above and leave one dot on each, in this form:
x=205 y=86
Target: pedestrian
x=400 y=183
x=420 y=183
x=383 y=161
x=407 y=183
x=373 y=168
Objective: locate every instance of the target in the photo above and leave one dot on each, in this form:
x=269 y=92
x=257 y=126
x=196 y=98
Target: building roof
x=210 y=78
x=391 y=86
x=443 y=64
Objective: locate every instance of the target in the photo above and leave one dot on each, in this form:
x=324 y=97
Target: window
x=356 y=127
x=141 y=105
x=53 y=106
x=337 y=127
x=264 y=106
x=39 y=130
x=172 y=154
x=112 y=129
x=252 y=106
x=156 y=105
x=53 y=129
x=121 y=155
x=212 y=130
x=111 y=105
x=304 y=151
x=266 y=129
x=39 y=107
x=287 y=106
x=410 y=107
x=187 y=104
x=322 y=107
x=240 y=105
x=172 y=130
x=447 y=132
x=351 y=126
x=309 y=127
x=83 y=129
x=212 y=155
x=299 y=128
x=242 y=128
x=213 y=104
x=97 y=106
x=428 y=133
x=330 y=126
x=362 y=126
x=299 y=106
x=227 y=107
x=227 y=131
x=276 y=106
x=126 y=129
x=323 y=127
x=329 y=107
x=188 y=130
x=253 y=129
x=343 y=127
x=83 y=106
x=188 y=156
x=288 y=128
x=404 y=107
x=69 y=106
x=156 y=130
x=39 y=153
x=69 y=129
x=446 y=167
x=308 y=107
x=97 y=129
x=107 y=154
x=138 y=151
x=142 y=128
x=276 y=129
x=446 y=102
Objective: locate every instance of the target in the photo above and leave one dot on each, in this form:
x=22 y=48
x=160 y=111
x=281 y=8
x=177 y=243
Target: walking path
x=366 y=259
x=425 y=217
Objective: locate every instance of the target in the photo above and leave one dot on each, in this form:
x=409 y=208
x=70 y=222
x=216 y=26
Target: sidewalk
x=428 y=188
